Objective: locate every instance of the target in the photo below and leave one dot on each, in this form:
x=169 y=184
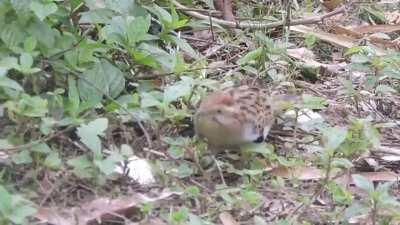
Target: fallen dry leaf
x=386 y=28
x=298 y=172
x=100 y=209
x=227 y=219
x=307 y=56
x=346 y=42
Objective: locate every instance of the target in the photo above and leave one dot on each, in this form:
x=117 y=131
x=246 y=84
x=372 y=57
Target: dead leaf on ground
x=227 y=219
x=346 y=42
x=100 y=209
x=331 y=4
x=307 y=56
x=377 y=28
x=393 y=17
x=298 y=172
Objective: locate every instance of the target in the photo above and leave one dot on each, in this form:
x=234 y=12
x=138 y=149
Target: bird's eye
x=219 y=111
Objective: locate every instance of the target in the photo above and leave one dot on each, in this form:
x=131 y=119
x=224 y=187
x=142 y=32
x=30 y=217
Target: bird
x=237 y=115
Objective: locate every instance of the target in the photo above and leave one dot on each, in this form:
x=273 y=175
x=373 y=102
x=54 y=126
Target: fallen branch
x=260 y=25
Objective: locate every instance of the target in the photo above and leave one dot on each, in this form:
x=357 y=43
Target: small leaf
x=185 y=46
x=53 y=161
x=250 y=56
x=334 y=137
x=89 y=133
x=362 y=183
x=26 y=61
x=22 y=157
x=30 y=44
x=179 y=89
x=8 y=83
x=314 y=102
x=43 y=10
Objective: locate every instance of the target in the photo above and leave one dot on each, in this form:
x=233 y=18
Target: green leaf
x=43 y=33
x=97 y=16
x=21 y=209
x=29 y=106
x=383 y=88
x=185 y=46
x=250 y=56
x=176 y=152
x=43 y=10
x=342 y=163
x=26 y=61
x=103 y=77
x=5 y=201
x=362 y=183
x=41 y=148
x=22 y=157
x=310 y=40
x=179 y=89
x=314 y=102
x=30 y=44
x=80 y=162
x=88 y=134
x=149 y=100
x=137 y=29
x=53 y=161
x=108 y=165
x=168 y=61
x=73 y=97
x=8 y=83
x=334 y=137
x=11 y=34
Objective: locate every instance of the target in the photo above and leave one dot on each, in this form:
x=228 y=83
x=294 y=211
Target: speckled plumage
x=235 y=116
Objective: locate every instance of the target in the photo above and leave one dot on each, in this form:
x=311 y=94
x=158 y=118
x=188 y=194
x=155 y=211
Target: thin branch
x=261 y=25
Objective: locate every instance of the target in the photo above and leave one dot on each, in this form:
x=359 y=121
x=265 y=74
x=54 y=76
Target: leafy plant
x=14 y=208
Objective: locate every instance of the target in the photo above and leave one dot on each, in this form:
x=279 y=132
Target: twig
x=261 y=25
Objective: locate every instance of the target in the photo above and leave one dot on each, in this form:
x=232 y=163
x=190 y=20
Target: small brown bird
x=236 y=116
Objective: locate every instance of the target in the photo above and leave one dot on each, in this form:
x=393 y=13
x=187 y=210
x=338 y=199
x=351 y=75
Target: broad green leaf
x=108 y=165
x=21 y=212
x=168 y=61
x=8 y=83
x=30 y=44
x=80 y=162
x=22 y=157
x=26 y=61
x=5 y=201
x=11 y=34
x=185 y=46
x=334 y=137
x=88 y=134
x=149 y=100
x=362 y=183
x=179 y=89
x=97 y=16
x=137 y=29
x=43 y=10
x=42 y=148
x=43 y=33
x=103 y=79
